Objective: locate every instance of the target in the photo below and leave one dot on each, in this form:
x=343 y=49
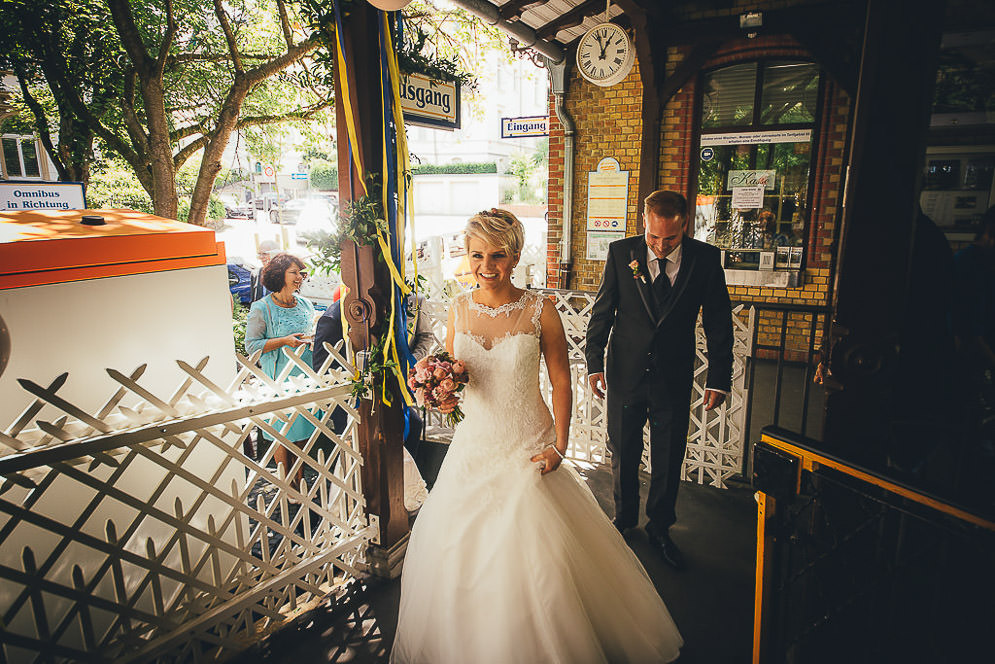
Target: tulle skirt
x=505 y=566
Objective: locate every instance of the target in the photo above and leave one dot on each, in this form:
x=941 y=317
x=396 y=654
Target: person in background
x=421 y=342
x=265 y=251
x=282 y=318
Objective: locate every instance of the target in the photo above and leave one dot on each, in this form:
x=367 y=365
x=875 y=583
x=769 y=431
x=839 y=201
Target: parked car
x=317 y=216
x=240 y=283
x=239 y=211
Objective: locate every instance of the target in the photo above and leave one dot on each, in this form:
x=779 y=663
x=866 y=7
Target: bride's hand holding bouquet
x=436 y=381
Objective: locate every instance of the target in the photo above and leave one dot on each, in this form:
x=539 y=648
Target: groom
x=653 y=287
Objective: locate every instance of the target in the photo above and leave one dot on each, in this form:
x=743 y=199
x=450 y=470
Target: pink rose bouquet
x=436 y=380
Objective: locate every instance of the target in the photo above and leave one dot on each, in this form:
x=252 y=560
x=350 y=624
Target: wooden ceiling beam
x=571 y=18
x=514 y=9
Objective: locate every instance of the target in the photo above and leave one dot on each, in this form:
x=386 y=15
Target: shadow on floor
x=711 y=600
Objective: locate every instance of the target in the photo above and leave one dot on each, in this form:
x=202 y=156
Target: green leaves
x=359 y=221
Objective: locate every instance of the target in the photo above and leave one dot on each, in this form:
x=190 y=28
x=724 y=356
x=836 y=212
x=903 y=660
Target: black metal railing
x=858 y=573
x=785 y=353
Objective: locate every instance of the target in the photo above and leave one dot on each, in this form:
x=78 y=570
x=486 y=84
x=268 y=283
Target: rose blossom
x=459 y=366
x=447 y=385
x=440 y=373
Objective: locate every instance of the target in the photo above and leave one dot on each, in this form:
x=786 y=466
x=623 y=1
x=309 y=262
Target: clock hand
x=601 y=46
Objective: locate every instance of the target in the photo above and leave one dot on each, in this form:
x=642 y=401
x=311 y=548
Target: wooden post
x=890 y=122
x=367 y=303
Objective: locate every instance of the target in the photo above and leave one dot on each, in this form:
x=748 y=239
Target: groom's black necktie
x=661 y=285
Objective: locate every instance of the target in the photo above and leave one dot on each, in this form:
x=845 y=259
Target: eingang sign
x=430 y=103
x=535 y=125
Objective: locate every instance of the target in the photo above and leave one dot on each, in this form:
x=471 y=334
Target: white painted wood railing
x=143 y=531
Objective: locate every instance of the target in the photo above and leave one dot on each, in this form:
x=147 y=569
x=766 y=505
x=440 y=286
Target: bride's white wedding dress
x=506 y=566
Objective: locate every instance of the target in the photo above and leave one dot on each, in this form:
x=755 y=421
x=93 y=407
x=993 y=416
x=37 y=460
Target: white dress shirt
x=673 y=264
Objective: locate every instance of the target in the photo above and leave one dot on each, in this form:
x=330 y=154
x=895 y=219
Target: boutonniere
x=636 y=272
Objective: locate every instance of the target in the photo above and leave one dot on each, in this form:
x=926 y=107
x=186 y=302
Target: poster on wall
x=748 y=198
x=607 y=199
x=598 y=241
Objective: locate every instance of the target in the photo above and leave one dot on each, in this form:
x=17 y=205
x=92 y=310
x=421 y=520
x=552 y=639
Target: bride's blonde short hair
x=498 y=228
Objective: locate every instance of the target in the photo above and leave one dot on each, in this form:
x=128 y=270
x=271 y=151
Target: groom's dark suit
x=651 y=349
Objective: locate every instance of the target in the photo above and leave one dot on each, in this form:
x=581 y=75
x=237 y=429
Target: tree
x=158 y=82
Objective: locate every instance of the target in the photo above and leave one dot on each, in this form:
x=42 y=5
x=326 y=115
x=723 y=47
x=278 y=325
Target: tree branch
x=303 y=114
x=128 y=30
x=167 y=40
x=214 y=57
x=41 y=120
x=199 y=127
x=258 y=74
x=236 y=57
x=188 y=151
x=288 y=34
x=134 y=128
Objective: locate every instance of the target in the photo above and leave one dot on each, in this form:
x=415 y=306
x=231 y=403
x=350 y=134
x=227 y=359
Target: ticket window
x=755 y=156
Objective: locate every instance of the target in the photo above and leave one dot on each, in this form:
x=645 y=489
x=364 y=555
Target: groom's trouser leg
x=626 y=417
x=668 y=442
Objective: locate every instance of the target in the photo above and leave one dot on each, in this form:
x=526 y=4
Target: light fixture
x=389 y=5
x=751 y=22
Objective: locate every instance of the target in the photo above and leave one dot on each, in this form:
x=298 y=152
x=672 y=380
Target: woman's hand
x=447 y=407
x=549 y=459
x=294 y=340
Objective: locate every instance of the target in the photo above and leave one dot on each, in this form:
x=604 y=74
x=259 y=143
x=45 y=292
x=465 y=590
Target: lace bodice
x=506 y=416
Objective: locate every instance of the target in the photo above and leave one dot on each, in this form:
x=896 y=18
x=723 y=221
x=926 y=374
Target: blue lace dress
x=268 y=320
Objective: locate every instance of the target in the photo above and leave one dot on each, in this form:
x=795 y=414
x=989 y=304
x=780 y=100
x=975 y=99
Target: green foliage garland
x=358 y=221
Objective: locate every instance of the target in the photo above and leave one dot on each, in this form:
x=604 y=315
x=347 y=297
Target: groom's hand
x=597 y=381
x=713 y=399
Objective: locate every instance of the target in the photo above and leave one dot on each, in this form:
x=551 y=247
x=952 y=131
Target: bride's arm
x=554 y=350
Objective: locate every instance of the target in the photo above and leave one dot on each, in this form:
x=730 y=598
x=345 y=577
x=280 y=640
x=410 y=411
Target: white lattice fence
x=715 y=438
x=144 y=532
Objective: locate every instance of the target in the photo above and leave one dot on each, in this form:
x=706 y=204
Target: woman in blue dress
x=282 y=318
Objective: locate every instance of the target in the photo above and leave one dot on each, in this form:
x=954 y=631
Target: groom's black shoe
x=660 y=540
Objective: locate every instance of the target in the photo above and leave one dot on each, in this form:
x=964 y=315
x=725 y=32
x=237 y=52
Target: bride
x=511 y=559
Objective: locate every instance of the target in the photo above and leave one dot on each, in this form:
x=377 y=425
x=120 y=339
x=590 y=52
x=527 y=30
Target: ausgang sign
x=536 y=125
x=429 y=102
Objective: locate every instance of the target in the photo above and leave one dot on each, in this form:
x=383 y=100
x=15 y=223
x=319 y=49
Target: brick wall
x=608 y=123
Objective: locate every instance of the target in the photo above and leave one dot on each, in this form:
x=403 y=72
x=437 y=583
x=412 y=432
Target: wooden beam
x=571 y=18
x=652 y=56
x=687 y=69
x=515 y=8
x=380 y=426
x=871 y=316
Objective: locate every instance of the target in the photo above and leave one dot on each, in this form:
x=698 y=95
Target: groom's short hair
x=666 y=204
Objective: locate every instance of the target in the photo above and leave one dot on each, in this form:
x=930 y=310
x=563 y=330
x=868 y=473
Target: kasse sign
x=429 y=102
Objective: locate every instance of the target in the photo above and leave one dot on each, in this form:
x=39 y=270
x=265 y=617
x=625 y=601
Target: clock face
x=605 y=54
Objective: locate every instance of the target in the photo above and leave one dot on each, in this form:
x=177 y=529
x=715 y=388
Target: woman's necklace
x=289 y=304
